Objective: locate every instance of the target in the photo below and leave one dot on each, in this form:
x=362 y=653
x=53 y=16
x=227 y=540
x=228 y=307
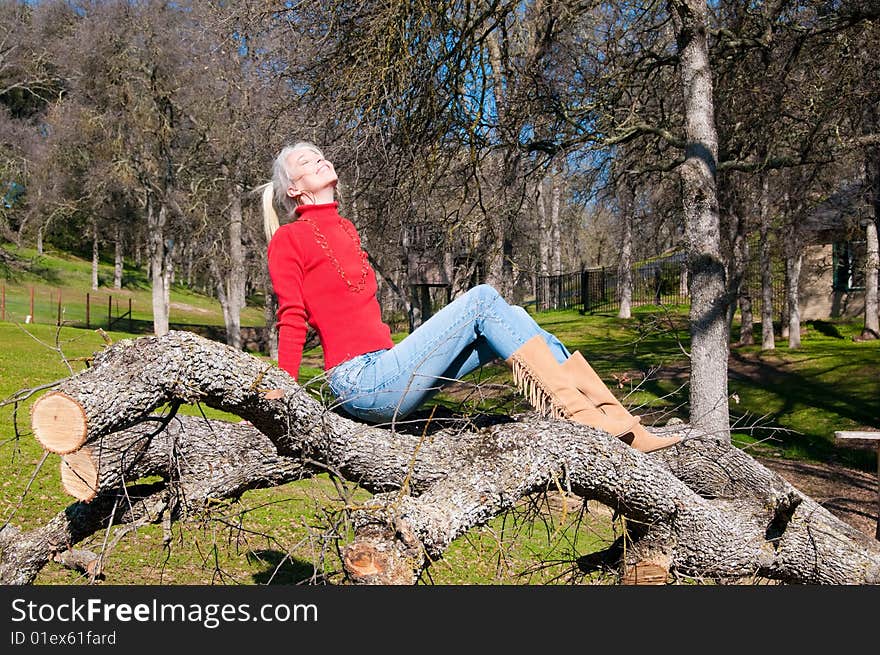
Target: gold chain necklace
x=322 y=241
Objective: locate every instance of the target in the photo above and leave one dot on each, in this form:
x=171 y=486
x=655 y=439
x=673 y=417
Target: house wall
x=818 y=300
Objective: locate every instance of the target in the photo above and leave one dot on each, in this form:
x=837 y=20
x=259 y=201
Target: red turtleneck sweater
x=311 y=289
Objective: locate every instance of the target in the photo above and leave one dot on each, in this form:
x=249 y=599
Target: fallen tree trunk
x=701 y=508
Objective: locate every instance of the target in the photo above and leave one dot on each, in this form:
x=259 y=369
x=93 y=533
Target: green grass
x=830 y=383
x=34 y=287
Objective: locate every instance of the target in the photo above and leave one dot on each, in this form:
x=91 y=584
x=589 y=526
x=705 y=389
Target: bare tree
x=707 y=277
x=768 y=340
x=625 y=263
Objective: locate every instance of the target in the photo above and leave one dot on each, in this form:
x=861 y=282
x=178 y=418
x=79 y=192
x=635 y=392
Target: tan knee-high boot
x=588 y=382
x=551 y=389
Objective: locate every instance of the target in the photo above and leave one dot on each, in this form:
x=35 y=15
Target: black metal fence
x=596 y=289
x=657 y=283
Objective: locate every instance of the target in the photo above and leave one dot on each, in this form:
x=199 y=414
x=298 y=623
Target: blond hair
x=274 y=193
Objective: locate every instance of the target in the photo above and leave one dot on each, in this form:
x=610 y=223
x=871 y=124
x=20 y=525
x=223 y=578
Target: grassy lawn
x=44 y=277
x=784 y=403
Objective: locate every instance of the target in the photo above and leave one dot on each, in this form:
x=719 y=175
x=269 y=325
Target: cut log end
x=79 y=475
x=59 y=423
x=380 y=560
x=363 y=561
x=645 y=573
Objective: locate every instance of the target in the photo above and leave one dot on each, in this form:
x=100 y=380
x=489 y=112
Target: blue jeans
x=471 y=331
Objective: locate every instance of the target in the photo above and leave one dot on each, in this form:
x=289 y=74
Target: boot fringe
x=529 y=385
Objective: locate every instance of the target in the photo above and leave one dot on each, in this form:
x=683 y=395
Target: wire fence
x=53 y=306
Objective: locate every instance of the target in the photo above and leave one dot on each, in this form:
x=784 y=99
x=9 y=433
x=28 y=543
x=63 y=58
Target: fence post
x=87 y=310
x=585 y=290
x=33 y=318
x=58 y=319
x=109 y=312
x=129 y=316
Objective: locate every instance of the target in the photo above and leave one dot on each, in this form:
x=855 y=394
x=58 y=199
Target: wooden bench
x=856 y=439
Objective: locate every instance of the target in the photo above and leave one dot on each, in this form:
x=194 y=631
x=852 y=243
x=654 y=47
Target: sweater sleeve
x=286 y=272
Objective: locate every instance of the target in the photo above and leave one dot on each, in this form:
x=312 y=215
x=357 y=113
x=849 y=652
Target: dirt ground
x=849 y=494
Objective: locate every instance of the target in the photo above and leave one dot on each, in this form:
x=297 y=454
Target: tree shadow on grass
x=794 y=390
x=826 y=328
x=281 y=569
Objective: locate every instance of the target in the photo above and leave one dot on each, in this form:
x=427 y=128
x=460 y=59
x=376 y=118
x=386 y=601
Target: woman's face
x=309 y=173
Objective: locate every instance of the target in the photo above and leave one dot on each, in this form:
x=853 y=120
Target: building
x=832 y=283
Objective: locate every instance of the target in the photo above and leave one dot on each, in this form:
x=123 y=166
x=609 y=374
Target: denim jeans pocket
x=353 y=382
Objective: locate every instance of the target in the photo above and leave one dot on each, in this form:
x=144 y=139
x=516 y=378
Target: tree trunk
x=237 y=277
x=785 y=316
x=701 y=508
x=793 y=267
x=189 y=262
x=555 y=230
x=117 y=258
x=710 y=345
x=738 y=263
x=872 y=263
x=94 y=256
x=231 y=285
x=625 y=263
x=768 y=339
x=220 y=287
x=544 y=247
x=270 y=312
x=159 y=266
x=138 y=249
x=499 y=223
x=747 y=318
x=872 y=260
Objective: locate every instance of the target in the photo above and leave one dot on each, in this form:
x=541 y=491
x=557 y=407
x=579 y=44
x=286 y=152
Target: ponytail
x=270 y=216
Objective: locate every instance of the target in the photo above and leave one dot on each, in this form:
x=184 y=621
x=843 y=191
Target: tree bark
x=785 y=316
x=872 y=260
x=94 y=280
x=555 y=229
x=117 y=258
x=159 y=265
x=700 y=508
x=544 y=248
x=499 y=223
x=747 y=318
x=768 y=338
x=710 y=347
x=872 y=264
x=269 y=313
x=738 y=263
x=235 y=280
x=625 y=264
x=793 y=265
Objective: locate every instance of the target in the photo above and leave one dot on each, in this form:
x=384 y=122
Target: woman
x=322 y=278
